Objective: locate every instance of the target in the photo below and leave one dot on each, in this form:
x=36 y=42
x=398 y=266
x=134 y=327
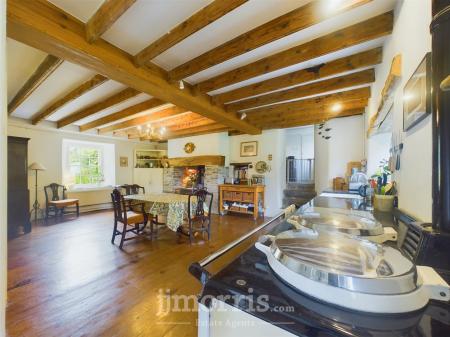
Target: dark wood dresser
x=18 y=193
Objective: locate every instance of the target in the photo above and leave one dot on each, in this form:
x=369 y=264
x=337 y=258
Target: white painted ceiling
x=146 y=21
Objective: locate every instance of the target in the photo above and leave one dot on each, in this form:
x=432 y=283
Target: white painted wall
x=300 y=142
x=210 y=144
x=410 y=38
x=331 y=156
x=3 y=167
x=45 y=147
x=377 y=147
x=269 y=142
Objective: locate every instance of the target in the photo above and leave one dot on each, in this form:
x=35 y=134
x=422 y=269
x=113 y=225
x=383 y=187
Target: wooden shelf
x=395 y=73
x=241 y=212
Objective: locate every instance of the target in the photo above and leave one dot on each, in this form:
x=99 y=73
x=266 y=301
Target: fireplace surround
x=185 y=174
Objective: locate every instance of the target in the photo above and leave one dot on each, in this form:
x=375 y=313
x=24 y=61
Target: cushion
x=63 y=203
x=134 y=217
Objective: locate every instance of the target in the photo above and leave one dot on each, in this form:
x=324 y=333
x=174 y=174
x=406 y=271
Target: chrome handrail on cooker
x=197 y=268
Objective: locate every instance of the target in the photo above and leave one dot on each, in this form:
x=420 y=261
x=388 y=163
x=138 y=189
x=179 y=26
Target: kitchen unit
x=148 y=171
x=243 y=199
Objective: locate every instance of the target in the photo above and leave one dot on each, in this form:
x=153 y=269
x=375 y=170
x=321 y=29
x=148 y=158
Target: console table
x=244 y=199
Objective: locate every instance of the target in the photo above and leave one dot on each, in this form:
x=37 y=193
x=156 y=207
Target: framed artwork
x=417 y=95
x=249 y=149
x=123 y=161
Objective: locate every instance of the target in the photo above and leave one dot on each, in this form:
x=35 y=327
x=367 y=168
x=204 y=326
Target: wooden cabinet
x=18 y=193
x=242 y=199
x=150 y=178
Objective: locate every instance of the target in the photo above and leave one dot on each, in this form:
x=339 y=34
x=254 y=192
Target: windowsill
x=89 y=189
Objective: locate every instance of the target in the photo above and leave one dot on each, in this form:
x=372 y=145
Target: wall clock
x=189 y=147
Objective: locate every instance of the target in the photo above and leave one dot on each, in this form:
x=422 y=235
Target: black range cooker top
x=250 y=276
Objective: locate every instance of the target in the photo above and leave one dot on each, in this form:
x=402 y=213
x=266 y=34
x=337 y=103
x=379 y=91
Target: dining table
x=173 y=206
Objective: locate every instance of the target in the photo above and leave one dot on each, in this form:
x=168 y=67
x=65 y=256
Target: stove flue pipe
x=440 y=30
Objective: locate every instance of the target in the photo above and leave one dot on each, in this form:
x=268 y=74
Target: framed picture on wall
x=123 y=161
x=417 y=95
x=249 y=149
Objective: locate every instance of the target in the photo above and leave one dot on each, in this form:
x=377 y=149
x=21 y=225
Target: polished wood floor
x=67 y=279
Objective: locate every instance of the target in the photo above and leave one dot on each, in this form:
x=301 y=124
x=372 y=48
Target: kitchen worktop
x=250 y=272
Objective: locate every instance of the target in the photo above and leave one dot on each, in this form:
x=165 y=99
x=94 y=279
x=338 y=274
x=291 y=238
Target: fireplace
x=185 y=174
x=193 y=177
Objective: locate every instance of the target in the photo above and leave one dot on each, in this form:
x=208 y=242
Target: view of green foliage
x=85 y=165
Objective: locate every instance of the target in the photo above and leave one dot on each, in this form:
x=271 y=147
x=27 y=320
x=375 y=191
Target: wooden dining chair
x=199 y=220
x=132 y=221
x=132 y=189
x=56 y=201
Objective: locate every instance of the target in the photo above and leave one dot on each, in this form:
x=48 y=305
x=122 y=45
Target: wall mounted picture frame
x=249 y=149
x=417 y=95
x=123 y=161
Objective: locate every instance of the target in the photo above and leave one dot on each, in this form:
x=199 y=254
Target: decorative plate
x=262 y=167
x=189 y=147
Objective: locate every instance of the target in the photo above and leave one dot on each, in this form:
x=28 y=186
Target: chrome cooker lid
x=352 y=222
x=343 y=261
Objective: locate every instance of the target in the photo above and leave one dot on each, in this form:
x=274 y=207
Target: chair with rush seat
x=56 y=201
x=132 y=221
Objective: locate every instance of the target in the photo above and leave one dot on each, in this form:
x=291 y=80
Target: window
x=88 y=164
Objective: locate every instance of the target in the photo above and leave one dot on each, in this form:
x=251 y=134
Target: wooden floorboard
x=67 y=279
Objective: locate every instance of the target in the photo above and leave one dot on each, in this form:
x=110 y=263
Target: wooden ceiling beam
x=44 y=70
x=44 y=26
x=320 y=110
x=188 y=119
x=311 y=120
x=199 y=125
x=199 y=20
x=353 y=62
x=332 y=84
x=166 y=122
x=371 y=29
x=105 y=16
x=201 y=130
x=97 y=107
x=152 y=117
x=284 y=25
x=79 y=91
x=311 y=103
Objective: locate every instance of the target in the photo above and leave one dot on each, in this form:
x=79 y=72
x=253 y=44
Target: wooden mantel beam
x=45 y=69
x=44 y=26
x=199 y=20
x=300 y=18
x=371 y=29
x=105 y=16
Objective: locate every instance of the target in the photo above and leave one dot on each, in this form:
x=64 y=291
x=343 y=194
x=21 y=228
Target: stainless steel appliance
x=357 y=180
x=353 y=222
x=351 y=272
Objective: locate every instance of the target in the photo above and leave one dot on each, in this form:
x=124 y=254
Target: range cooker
x=249 y=298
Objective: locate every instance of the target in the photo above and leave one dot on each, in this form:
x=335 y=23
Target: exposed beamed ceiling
x=293 y=66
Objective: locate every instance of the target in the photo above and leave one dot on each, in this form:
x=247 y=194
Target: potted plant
x=384 y=189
